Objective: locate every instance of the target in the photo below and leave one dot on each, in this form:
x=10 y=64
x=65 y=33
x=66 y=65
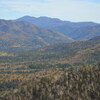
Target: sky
x=69 y=10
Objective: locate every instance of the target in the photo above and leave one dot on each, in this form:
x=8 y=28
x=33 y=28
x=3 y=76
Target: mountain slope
x=24 y=35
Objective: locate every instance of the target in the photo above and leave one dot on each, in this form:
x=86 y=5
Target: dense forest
x=74 y=83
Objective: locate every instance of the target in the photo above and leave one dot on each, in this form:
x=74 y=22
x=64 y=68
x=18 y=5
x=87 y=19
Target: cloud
x=75 y=10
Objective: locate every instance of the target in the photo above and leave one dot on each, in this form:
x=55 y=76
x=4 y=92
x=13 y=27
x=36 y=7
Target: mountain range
x=29 y=33
x=74 y=30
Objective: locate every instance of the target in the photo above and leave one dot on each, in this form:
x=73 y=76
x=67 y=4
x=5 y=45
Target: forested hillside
x=23 y=36
x=80 y=82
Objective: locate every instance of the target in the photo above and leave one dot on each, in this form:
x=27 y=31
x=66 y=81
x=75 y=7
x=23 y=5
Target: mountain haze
x=47 y=22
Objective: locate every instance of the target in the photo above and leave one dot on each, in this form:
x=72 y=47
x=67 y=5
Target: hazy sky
x=71 y=10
